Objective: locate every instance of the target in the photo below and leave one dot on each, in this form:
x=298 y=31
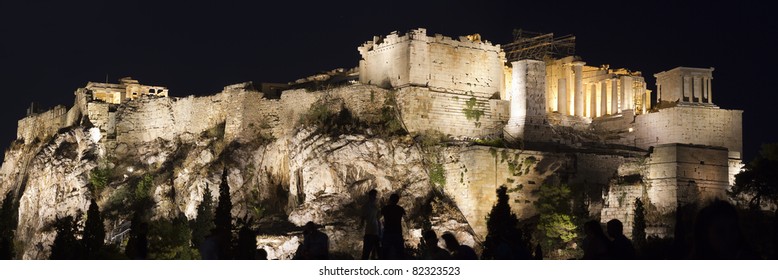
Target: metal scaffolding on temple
x=539 y=46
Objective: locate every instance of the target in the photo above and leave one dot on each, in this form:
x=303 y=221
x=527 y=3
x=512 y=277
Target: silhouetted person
x=595 y=244
x=371 y=220
x=511 y=246
x=431 y=249
x=538 y=252
x=316 y=244
x=261 y=254
x=209 y=249
x=717 y=234
x=621 y=247
x=393 y=244
x=458 y=251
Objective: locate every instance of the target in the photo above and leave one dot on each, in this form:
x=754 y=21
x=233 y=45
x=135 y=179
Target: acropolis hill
x=442 y=121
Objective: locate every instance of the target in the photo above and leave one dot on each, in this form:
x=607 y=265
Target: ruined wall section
x=145 y=120
x=697 y=173
x=246 y=115
x=462 y=66
x=473 y=175
x=100 y=117
x=460 y=116
x=41 y=126
x=673 y=175
x=693 y=125
x=623 y=189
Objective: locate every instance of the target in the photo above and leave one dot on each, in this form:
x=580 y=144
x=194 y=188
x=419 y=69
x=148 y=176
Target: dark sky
x=50 y=48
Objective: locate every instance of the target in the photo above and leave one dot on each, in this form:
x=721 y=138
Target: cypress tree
x=247 y=243
x=8 y=223
x=502 y=229
x=203 y=223
x=65 y=246
x=639 y=225
x=94 y=231
x=223 y=219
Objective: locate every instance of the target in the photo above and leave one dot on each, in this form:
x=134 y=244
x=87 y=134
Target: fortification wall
x=42 y=125
x=673 y=175
x=473 y=175
x=245 y=114
x=98 y=114
x=453 y=114
x=439 y=62
x=698 y=173
x=692 y=125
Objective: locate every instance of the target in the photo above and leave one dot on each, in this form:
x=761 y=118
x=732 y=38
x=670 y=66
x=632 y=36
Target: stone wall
x=41 y=126
x=698 y=173
x=99 y=115
x=673 y=175
x=457 y=115
x=245 y=114
x=699 y=125
x=473 y=175
x=439 y=62
x=692 y=125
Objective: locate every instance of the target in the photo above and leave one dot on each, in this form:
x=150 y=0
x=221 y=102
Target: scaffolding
x=539 y=46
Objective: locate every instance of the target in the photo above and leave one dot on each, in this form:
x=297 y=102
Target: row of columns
x=578 y=92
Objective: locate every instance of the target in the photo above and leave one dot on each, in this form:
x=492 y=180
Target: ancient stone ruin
x=557 y=121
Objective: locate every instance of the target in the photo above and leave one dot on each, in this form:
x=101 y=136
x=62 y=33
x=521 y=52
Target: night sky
x=48 y=49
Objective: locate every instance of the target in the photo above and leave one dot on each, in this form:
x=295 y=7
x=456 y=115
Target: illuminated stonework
x=127 y=89
x=589 y=127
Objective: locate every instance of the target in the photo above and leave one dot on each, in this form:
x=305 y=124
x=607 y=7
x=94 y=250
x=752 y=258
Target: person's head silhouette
x=615 y=228
x=394 y=199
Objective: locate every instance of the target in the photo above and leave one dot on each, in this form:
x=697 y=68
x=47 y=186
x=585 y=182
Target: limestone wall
x=245 y=114
x=473 y=175
x=698 y=173
x=673 y=175
x=98 y=114
x=40 y=126
x=453 y=114
x=692 y=125
x=439 y=62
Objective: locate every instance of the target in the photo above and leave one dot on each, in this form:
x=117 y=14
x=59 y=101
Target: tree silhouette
x=223 y=218
x=502 y=229
x=65 y=246
x=8 y=216
x=758 y=182
x=639 y=225
x=138 y=243
x=247 y=243
x=171 y=240
x=94 y=231
x=203 y=223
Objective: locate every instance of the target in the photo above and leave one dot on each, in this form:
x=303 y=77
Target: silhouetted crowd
x=717 y=235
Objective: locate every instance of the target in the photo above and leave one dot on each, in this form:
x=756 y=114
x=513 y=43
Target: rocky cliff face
x=279 y=180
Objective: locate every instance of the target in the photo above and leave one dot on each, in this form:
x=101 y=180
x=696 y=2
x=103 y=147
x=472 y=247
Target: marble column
x=710 y=92
x=603 y=98
x=562 y=97
x=592 y=100
x=578 y=88
x=614 y=96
